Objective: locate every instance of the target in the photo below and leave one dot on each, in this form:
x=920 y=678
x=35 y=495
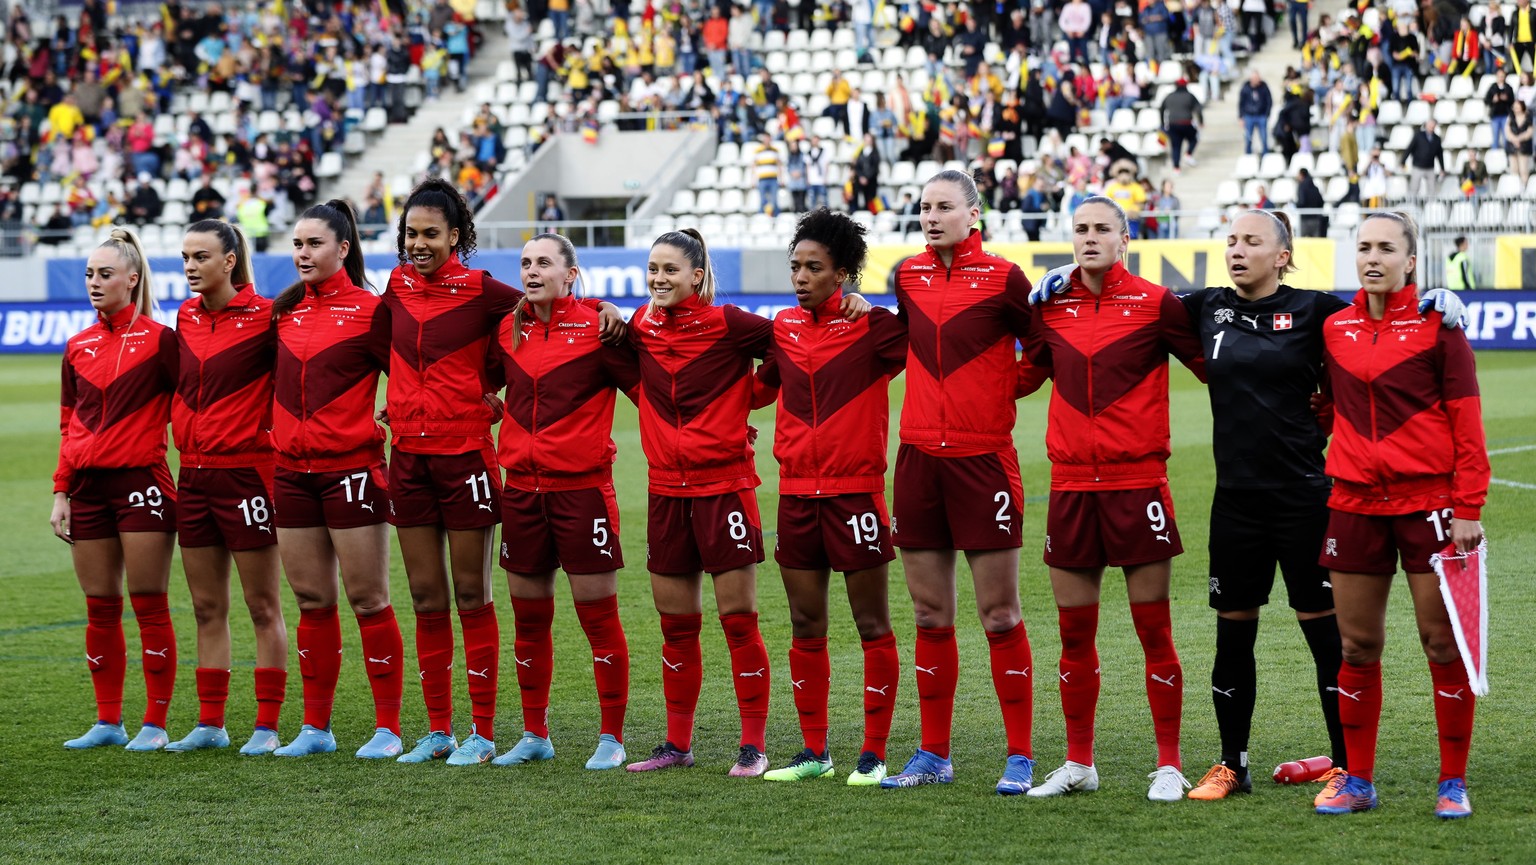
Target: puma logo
x=1072 y=311
x=159 y=514
x=927 y=279
x=746 y=546
x=165 y=652
x=1251 y=319
x=1024 y=672
x=932 y=671
x=298 y=320
x=669 y=665
x=304 y=653
x=1004 y=527
x=93 y=661
x=798 y=683
x=483 y=674
x=605 y=659
x=89 y=351
x=1455 y=696
x=523 y=663
x=1159 y=679
x=484 y=506
x=1064 y=676
x=367 y=506
x=1226 y=693
x=1343 y=693
x=873 y=547
x=1164 y=538
x=758 y=674
x=608 y=553
x=1353 y=335
x=794 y=336
x=267 y=529
x=384 y=660
x=874 y=690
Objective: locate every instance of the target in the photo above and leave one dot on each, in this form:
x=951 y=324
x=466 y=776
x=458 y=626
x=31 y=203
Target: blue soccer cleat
x=528 y=749
x=1453 y=802
x=384 y=745
x=1356 y=794
x=476 y=750
x=925 y=767
x=262 y=742
x=100 y=735
x=311 y=740
x=436 y=745
x=150 y=738
x=1018 y=776
x=609 y=754
x=202 y=738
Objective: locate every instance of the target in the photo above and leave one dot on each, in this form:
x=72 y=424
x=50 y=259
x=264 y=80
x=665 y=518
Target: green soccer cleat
x=806 y=765
x=870 y=771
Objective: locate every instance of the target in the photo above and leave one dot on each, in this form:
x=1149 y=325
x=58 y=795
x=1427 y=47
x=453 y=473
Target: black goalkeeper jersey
x=1264 y=359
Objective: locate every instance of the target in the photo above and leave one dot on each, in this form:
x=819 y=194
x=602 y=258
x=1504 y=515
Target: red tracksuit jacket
x=331 y=348
x=695 y=393
x=222 y=413
x=1408 y=427
x=831 y=376
x=556 y=433
x=1108 y=355
x=116 y=396
x=962 y=325
x=441 y=328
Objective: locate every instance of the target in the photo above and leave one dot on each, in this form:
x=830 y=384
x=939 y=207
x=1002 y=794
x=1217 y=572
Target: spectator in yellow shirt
x=65 y=117
x=838 y=94
x=1126 y=191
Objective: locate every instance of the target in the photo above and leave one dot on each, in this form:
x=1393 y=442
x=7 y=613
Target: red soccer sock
x=1360 y=715
x=1165 y=677
x=383 y=654
x=533 y=649
x=810 y=674
x=319 y=643
x=610 y=660
x=938 y=669
x=434 y=659
x=106 y=655
x=1454 y=707
x=482 y=658
x=271 y=690
x=1011 y=677
x=158 y=639
x=212 y=695
x=749 y=670
x=682 y=674
x=882 y=671
x=1079 y=674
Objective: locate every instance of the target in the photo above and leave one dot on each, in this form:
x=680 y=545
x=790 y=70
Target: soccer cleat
x=750 y=763
x=1221 y=782
x=1168 y=784
x=806 y=765
x=528 y=749
x=1070 y=778
x=1018 y=776
x=609 y=754
x=476 y=750
x=1356 y=794
x=1333 y=781
x=870 y=771
x=262 y=741
x=925 y=767
x=202 y=737
x=384 y=744
x=311 y=740
x=150 y=738
x=436 y=745
x=665 y=756
x=1453 y=802
x=1302 y=771
x=100 y=735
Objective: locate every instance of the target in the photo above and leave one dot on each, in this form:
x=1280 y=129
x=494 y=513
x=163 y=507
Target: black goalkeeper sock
x=1327 y=653
x=1234 y=679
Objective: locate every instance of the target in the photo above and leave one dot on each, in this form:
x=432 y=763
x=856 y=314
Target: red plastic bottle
x=1302 y=771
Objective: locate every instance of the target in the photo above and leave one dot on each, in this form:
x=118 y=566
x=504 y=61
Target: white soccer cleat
x=1168 y=785
x=1070 y=778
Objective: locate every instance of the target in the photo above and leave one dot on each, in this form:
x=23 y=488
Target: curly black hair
x=439 y=194
x=843 y=238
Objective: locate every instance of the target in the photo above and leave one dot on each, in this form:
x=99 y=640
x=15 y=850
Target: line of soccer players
x=272 y=407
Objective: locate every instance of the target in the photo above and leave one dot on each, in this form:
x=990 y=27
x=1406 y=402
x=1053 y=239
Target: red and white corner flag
x=1464 y=585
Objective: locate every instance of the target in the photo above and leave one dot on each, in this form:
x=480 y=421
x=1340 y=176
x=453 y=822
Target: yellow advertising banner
x=1181 y=265
x=1514 y=264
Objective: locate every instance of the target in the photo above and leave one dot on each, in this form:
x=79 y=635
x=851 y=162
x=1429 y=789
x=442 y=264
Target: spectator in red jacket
x=1410 y=476
x=831 y=376
x=957 y=483
x=222 y=421
x=113 y=499
x=1105 y=342
x=330 y=487
x=559 y=509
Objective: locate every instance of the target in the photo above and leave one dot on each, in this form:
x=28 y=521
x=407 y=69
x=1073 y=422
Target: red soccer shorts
x=577 y=530
x=230 y=508
x=845 y=533
x=105 y=502
x=1360 y=544
x=458 y=491
x=1118 y=528
x=714 y=534
x=957 y=503
x=346 y=499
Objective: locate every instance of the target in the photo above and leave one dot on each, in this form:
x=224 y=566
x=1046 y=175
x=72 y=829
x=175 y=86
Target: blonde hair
x=520 y=311
x=132 y=252
x=690 y=243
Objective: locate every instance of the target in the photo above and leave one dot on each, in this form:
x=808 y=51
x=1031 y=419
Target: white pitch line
x=1516 y=484
x=1514 y=450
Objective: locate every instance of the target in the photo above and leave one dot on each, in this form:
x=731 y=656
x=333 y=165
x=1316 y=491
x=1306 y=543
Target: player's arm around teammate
x=114 y=501
x=559 y=509
x=330 y=488
x=221 y=418
x=1408 y=481
x=831 y=376
x=957 y=483
x=1106 y=342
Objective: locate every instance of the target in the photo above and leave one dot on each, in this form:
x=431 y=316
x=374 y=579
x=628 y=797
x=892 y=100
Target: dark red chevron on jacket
x=681 y=395
x=836 y=383
x=206 y=381
x=1400 y=394
x=306 y=388
x=556 y=393
x=956 y=342
x=1115 y=370
x=99 y=408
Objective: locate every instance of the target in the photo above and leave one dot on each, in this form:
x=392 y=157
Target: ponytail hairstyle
x=338 y=217
x=438 y=194
x=843 y=238
x=1284 y=235
x=1410 y=237
x=966 y=182
x=232 y=242
x=1125 y=223
x=690 y=243
x=520 y=311
x=126 y=242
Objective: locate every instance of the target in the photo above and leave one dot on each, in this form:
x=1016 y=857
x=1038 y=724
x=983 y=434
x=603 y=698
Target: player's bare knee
x=1439 y=645
x=210 y=611
x=871 y=627
x=805 y=626
x=1358 y=651
x=469 y=598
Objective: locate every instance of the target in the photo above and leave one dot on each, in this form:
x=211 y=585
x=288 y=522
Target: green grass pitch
x=215 y=806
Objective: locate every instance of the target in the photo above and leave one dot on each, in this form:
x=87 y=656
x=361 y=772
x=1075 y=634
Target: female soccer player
x=1410 y=476
x=114 y=501
x=221 y=418
x=559 y=508
x=1105 y=342
x=957 y=481
x=330 y=490
x=830 y=377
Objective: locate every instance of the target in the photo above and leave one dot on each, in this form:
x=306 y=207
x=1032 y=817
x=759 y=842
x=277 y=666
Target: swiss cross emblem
x=1282 y=321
